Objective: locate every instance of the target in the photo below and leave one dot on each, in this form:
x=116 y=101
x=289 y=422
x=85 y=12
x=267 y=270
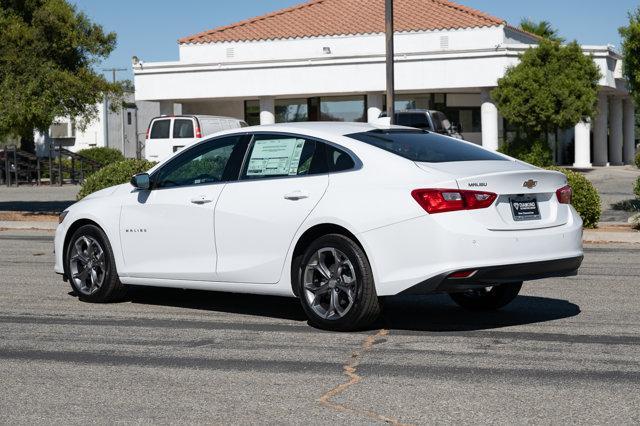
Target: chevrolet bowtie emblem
x=530 y=183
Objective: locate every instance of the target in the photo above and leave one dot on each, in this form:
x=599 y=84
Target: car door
x=168 y=231
x=158 y=143
x=283 y=179
x=183 y=133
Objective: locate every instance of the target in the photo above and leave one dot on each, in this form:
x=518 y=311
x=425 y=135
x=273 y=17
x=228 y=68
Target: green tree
x=542 y=29
x=553 y=87
x=631 y=51
x=47 y=53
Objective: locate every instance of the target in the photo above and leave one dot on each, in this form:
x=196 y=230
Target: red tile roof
x=317 y=18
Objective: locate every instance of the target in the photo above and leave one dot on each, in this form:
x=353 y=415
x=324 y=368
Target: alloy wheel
x=87 y=265
x=330 y=283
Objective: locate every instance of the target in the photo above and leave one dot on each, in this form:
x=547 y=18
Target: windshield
x=425 y=147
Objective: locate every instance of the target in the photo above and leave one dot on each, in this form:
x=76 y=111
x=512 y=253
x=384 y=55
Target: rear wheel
x=336 y=286
x=91 y=267
x=487 y=298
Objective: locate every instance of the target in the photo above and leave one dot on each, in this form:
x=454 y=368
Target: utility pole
x=390 y=61
x=113 y=72
x=105 y=114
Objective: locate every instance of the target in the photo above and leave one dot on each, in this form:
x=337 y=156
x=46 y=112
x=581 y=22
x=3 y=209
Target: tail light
x=148 y=132
x=461 y=275
x=448 y=200
x=198 y=132
x=564 y=194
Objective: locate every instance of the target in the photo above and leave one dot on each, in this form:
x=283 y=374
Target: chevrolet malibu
x=335 y=214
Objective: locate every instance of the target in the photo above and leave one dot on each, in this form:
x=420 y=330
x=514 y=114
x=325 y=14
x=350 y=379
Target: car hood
x=106 y=191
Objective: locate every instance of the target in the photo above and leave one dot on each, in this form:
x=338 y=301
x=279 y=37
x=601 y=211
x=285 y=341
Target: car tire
x=91 y=267
x=487 y=298
x=335 y=285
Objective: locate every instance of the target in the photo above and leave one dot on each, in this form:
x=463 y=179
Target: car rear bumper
x=431 y=247
x=501 y=274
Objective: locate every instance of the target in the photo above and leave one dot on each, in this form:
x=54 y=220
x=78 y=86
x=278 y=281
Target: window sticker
x=275 y=157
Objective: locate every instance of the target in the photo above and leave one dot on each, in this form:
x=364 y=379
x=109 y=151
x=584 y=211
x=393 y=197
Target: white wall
x=341 y=46
x=228 y=108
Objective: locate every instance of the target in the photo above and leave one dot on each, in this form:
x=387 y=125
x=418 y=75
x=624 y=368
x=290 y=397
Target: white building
x=123 y=129
x=325 y=60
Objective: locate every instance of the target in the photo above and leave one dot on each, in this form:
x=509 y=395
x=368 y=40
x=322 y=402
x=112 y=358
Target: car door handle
x=201 y=200
x=296 y=195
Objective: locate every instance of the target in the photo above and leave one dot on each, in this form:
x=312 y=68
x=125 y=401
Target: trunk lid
x=516 y=184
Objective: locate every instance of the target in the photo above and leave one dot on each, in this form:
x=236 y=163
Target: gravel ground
x=566 y=351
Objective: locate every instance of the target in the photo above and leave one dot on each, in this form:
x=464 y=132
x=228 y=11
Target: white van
x=168 y=134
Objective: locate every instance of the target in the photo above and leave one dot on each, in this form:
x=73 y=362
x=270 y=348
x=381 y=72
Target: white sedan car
x=336 y=214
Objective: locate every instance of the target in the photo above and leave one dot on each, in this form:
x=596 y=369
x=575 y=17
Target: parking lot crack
x=350 y=369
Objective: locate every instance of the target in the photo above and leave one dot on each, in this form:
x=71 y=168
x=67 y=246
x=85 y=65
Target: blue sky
x=150 y=29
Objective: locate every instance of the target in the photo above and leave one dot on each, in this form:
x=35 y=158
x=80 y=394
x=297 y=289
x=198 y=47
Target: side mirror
x=141 y=181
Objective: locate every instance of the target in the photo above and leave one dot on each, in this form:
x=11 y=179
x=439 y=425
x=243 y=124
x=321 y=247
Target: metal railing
x=21 y=167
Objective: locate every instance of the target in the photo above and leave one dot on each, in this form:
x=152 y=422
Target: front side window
x=426 y=147
x=280 y=156
x=182 y=128
x=217 y=160
x=160 y=129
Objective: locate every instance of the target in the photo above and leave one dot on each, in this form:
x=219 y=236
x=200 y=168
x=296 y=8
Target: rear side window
x=413 y=119
x=182 y=128
x=338 y=160
x=160 y=129
x=280 y=156
x=425 y=147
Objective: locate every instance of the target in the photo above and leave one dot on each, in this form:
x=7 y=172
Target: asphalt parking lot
x=566 y=351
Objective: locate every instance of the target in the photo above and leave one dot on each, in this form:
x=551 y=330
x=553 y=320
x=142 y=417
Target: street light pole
x=390 y=60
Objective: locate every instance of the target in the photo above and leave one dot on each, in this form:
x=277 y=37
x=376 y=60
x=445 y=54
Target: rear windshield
x=424 y=146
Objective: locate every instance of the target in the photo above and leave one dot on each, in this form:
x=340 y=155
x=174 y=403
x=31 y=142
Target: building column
x=601 y=132
x=375 y=102
x=267 y=111
x=582 y=145
x=489 y=118
x=615 y=135
x=629 y=137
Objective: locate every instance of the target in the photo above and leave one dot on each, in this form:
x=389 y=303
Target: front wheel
x=487 y=298
x=336 y=285
x=91 y=267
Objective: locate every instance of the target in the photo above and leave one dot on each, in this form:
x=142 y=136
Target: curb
x=29 y=225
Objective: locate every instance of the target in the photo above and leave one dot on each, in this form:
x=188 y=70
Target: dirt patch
x=27 y=217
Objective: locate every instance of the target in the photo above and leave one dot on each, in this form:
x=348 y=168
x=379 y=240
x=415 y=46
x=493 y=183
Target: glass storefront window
x=291 y=110
x=252 y=112
x=343 y=108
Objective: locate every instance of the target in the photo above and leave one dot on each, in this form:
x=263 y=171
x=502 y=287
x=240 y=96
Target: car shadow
x=432 y=313
x=246 y=304
x=437 y=313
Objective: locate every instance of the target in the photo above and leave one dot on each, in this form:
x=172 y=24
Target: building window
x=252 y=112
x=291 y=110
x=468 y=118
x=129 y=118
x=343 y=108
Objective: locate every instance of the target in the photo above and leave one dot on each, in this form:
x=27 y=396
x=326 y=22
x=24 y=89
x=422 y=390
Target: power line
x=114 y=71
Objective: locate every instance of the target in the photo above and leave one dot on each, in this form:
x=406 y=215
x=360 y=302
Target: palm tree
x=542 y=29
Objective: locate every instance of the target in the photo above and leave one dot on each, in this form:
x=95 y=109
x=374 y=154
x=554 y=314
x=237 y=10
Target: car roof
x=329 y=128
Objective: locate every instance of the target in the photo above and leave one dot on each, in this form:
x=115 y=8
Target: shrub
x=537 y=153
x=113 y=174
x=102 y=155
x=638 y=159
x=586 y=199
x=636 y=189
